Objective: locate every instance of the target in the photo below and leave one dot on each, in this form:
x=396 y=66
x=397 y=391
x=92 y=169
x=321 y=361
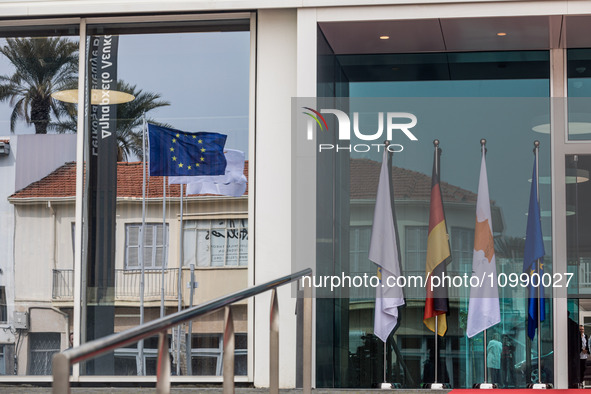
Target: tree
x=42 y=66
x=129 y=120
x=47 y=65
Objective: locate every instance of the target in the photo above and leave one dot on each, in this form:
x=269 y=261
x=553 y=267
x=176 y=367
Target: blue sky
x=205 y=77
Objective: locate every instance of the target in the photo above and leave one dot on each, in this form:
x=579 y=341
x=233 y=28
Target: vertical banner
x=101 y=175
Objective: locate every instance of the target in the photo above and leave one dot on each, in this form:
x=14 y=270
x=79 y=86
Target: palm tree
x=42 y=66
x=47 y=65
x=129 y=120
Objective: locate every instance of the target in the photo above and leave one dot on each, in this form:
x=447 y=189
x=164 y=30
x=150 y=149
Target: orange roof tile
x=61 y=183
x=408 y=184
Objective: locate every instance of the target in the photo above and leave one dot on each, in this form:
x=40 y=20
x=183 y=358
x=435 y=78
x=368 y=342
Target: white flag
x=483 y=309
x=383 y=251
x=232 y=183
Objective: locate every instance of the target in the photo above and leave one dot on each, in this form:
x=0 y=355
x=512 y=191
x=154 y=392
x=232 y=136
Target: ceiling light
x=384 y=37
x=99 y=97
x=573 y=175
x=573 y=128
x=501 y=34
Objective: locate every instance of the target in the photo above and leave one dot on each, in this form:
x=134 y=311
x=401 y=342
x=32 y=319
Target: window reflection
x=196 y=79
x=417 y=79
x=579 y=92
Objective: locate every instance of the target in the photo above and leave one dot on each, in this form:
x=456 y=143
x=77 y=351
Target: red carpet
x=516 y=391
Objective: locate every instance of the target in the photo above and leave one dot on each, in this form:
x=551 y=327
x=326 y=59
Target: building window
x=462 y=247
x=416 y=247
x=155 y=243
x=3 y=311
x=42 y=347
x=359 y=238
x=216 y=243
x=127 y=358
x=3 y=358
x=207 y=352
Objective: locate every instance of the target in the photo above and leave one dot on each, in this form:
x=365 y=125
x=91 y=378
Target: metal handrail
x=62 y=361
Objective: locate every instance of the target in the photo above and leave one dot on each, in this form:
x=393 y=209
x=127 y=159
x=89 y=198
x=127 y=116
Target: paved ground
x=22 y=389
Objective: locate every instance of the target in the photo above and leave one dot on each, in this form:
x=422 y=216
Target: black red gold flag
x=438 y=256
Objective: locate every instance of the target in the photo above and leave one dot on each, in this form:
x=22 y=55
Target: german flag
x=438 y=256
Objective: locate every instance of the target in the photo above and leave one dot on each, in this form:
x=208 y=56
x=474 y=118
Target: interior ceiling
x=458 y=34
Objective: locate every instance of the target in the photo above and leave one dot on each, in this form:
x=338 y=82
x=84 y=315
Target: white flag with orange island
x=483 y=307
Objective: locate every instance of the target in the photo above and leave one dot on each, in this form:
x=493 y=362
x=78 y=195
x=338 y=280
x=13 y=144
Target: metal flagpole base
x=539 y=386
x=390 y=386
x=436 y=386
x=485 y=386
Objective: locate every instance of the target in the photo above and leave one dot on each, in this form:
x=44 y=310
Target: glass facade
x=189 y=75
x=579 y=91
x=434 y=87
x=76 y=259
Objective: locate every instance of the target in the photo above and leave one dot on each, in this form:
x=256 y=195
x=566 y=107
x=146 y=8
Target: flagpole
x=385 y=384
x=436 y=158
x=483 y=151
x=180 y=287
x=539 y=306
x=385 y=361
x=388 y=157
x=436 y=349
x=164 y=244
x=140 y=345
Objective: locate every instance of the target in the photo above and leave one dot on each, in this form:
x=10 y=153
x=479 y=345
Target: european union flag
x=532 y=256
x=178 y=153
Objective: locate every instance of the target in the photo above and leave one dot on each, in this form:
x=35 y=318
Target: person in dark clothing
x=584 y=352
x=429 y=369
x=508 y=363
x=574 y=351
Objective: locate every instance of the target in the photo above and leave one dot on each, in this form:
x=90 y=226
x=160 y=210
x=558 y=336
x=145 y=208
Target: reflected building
x=215 y=244
x=511 y=72
x=411 y=342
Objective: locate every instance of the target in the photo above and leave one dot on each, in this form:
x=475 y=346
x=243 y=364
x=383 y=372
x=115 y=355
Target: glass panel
x=578 y=191
x=432 y=87
x=36 y=293
x=205 y=365
x=219 y=243
x=191 y=78
x=42 y=348
x=125 y=366
x=579 y=93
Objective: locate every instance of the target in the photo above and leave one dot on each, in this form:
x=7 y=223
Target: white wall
x=7 y=175
x=39 y=155
x=276 y=84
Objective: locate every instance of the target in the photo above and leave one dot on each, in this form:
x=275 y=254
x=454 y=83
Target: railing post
x=228 y=358
x=163 y=369
x=307 y=343
x=61 y=374
x=274 y=345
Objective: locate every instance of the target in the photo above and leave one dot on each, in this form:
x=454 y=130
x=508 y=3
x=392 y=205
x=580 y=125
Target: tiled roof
x=407 y=184
x=61 y=183
x=5 y=141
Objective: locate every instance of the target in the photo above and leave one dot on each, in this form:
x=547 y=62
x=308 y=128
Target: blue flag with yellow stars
x=179 y=153
x=533 y=260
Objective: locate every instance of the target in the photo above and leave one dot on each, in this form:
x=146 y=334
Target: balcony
x=127 y=285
